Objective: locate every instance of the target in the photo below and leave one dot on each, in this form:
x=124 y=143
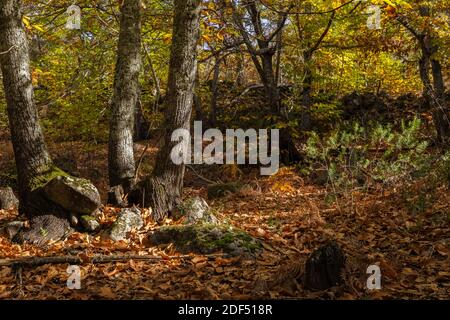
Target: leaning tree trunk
x=434 y=91
x=441 y=112
x=163 y=189
x=121 y=164
x=47 y=195
x=31 y=155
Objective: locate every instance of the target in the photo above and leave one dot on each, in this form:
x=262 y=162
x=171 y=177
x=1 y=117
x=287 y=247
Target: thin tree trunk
x=306 y=94
x=278 y=59
x=163 y=190
x=214 y=91
x=288 y=150
x=121 y=164
x=141 y=125
x=424 y=66
x=434 y=91
x=441 y=114
x=155 y=79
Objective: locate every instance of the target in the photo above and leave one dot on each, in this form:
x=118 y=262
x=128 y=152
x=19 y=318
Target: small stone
x=128 y=220
x=90 y=224
x=73 y=220
x=7 y=199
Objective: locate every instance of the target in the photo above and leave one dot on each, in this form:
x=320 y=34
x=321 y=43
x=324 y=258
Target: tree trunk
x=121 y=164
x=240 y=72
x=141 y=125
x=288 y=150
x=31 y=155
x=47 y=195
x=214 y=91
x=441 y=114
x=306 y=94
x=424 y=66
x=434 y=91
x=163 y=190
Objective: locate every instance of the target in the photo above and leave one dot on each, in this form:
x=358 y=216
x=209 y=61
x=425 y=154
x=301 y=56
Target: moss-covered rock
x=89 y=223
x=206 y=238
x=41 y=180
x=196 y=210
x=128 y=220
x=73 y=194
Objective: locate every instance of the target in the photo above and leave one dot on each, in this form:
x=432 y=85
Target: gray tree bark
x=47 y=195
x=121 y=164
x=163 y=189
x=31 y=155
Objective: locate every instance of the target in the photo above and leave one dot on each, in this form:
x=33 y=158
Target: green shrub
x=377 y=153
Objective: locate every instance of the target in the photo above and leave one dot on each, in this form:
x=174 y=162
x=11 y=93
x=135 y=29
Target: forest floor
x=289 y=213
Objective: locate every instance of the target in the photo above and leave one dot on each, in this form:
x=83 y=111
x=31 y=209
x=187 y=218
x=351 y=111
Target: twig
x=5 y=52
x=201 y=177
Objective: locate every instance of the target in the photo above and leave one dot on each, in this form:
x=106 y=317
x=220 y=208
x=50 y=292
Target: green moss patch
x=47 y=176
x=207 y=238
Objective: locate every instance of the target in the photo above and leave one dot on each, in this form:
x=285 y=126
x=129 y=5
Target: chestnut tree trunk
x=47 y=195
x=163 y=189
x=121 y=164
x=31 y=155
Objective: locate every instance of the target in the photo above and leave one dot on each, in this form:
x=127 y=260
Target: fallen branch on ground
x=97 y=259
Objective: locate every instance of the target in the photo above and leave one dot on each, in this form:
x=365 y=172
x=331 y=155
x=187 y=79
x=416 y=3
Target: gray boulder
x=73 y=194
x=7 y=199
x=128 y=220
x=197 y=210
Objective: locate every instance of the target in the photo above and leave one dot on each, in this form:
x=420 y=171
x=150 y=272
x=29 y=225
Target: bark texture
x=47 y=194
x=163 y=189
x=121 y=164
x=31 y=155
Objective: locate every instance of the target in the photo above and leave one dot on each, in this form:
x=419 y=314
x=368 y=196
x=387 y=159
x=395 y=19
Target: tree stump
x=44 y=228
x=324 y=267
